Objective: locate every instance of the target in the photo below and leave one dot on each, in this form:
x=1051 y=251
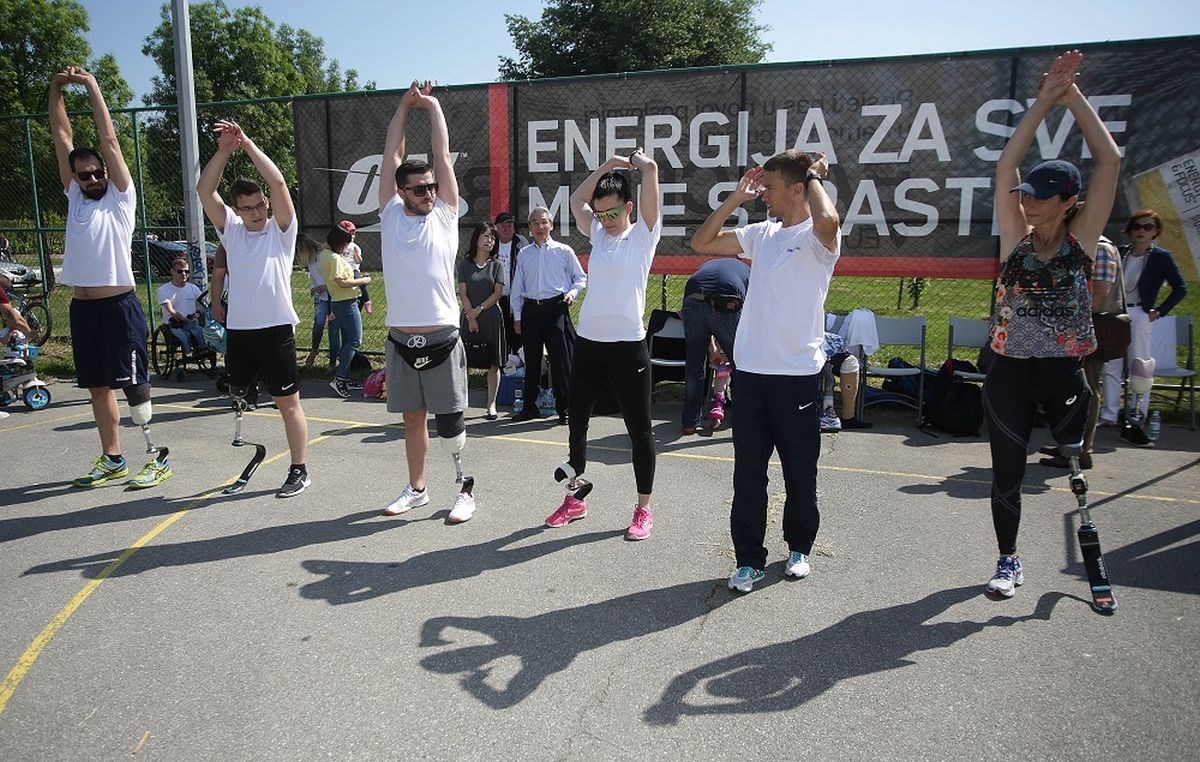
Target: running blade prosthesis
x=1103 y=600
x=260 y=452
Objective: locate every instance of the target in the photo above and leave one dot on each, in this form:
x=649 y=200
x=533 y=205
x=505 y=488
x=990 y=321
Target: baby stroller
x=18 y=380
x=167 y=355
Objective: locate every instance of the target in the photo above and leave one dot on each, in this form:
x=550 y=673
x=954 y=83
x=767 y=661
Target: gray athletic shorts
x=442 y=389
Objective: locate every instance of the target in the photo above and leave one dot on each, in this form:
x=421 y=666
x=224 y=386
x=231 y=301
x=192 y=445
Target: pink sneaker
x=717 y=413
x=570 y=510
x=643 y=522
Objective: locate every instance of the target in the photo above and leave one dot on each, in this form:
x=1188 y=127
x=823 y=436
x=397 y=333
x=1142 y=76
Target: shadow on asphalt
x=547 y=643
x=1159 y=562
x=355 y=581
x=976 y=482
x=783 y=676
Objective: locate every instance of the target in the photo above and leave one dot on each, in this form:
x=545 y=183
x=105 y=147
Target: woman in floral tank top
x=1042 y=327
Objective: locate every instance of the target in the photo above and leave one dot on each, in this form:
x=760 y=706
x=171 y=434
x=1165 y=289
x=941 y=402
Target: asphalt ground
x=180 y=624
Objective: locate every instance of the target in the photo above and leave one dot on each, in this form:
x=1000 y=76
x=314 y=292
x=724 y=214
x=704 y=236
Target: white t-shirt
x=182 y=298
x=1131 y=271
x=99 y=237
x=617 y=271
x=418 y=264
x=260 y=273
x=783 y=318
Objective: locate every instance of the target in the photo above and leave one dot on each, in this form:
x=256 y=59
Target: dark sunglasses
x=1142 y=226
x=421 y=190
x=185 y=272
x=95 y=174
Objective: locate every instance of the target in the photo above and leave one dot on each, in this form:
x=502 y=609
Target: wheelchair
x=167 y=356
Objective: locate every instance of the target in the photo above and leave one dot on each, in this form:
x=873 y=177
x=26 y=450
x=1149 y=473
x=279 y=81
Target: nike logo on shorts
x=805 y=406
x=421 y=362
x=289 y=386
x=639 y=370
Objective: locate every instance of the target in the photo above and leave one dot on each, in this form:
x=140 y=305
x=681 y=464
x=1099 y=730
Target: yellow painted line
x=44 y=421
x=26 y=662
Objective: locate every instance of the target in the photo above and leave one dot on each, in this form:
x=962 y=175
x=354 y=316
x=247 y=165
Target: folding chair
x=1167 y=334
x=667 y=353
x=969 y=333
x=900 y=332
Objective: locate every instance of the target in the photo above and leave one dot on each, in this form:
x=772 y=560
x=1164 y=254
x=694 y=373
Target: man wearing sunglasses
x=177 y=300
x=260 y=321
x=426 y=362
x=108 y=327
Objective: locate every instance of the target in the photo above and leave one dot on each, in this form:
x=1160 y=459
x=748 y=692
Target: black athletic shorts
x=108 y=341
x=265 y=353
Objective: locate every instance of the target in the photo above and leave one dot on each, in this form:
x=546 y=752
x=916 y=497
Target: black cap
x=504 y=217
x=1051 y=178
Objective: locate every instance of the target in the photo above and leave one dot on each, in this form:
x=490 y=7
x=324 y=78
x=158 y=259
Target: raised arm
x=60 y=128
x=393 y=146
x=443 y=168
x=710 y=238
x=649 y=202
x=282 y=206
x=1009 y=214
x=581 y=199
x=106 y=134
x=1088 y=224
x=826 y=223
x=229 y=140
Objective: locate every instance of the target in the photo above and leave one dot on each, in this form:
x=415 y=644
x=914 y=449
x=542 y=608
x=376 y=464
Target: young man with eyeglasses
x=261 y=322
x=108 y=327
x=426 y=362
x=177 y=300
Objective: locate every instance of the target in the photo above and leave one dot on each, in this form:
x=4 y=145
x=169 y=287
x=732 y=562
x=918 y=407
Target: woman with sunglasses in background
x=611 y=348
x=1145 y=266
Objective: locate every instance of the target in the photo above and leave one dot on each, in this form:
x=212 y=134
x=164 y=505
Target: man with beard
x=426 y=362
x=108 y=327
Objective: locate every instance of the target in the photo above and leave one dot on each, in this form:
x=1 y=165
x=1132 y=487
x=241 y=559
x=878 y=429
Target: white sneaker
x=464 y=508
x=797 y=565
x=408 y=500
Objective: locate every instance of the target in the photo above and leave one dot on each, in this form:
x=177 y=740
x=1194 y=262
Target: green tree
x=575 y=37
x=37 y=39
x=237 y=54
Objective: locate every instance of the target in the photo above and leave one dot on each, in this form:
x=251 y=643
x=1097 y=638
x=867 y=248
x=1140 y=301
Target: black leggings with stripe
x=1011 y=394
x=625 y=365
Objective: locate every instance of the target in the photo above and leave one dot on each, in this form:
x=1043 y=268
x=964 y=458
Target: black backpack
x=954 y=405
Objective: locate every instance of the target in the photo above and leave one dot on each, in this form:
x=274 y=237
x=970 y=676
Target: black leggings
x=1013 y=390
x=626 y=365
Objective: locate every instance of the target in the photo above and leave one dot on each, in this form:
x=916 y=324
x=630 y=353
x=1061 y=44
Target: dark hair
x=243 y=187
x=411 y=168
x=84 y=153
x=792 y=165
x=613 y=183
x=477 y=233
x=1144 y=213
x=338 y=238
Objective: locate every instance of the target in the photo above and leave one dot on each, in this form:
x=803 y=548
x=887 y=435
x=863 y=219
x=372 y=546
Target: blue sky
x=376 y=38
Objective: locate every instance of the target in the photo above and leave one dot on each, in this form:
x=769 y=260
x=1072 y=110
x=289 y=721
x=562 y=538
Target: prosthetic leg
x=1103 y=601
x=1141 y=382
x=576 y=485
x=141 y=411
x=452 y=437
x=260 y=451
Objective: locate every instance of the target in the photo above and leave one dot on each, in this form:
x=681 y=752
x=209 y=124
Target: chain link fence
x=912 y=144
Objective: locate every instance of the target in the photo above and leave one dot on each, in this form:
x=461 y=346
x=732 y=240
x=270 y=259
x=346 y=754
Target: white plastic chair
x=670 y=335
x=1167 y=334
x=901 y=332
x=971 y=334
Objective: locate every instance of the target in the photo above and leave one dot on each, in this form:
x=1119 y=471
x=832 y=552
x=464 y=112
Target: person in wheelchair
x=181 y=311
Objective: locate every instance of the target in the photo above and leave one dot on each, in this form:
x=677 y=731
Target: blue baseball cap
x=1051 y=178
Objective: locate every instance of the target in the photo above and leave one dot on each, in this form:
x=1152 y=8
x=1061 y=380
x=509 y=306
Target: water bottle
x=546 y=402
x=1155 y=425
x=518 y=401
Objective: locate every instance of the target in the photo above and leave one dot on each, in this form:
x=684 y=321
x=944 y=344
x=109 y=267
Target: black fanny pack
x=421 y=353
x=723 y=303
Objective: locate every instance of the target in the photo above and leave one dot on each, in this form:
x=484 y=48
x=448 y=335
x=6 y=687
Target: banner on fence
x=911 y=143
x=1173 y=190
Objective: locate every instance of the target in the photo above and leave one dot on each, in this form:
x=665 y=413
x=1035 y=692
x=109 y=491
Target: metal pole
x=43 y=260
x=189 y=145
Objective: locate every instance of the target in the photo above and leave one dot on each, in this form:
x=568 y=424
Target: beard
x=414 y=208
x=95 y=194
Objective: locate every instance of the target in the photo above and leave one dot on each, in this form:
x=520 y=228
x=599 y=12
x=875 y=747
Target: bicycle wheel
x=38 y=317
x=162 y=352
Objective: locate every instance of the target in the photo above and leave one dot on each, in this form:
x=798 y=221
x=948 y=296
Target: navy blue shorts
x=265 y=353
x=108 y=341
